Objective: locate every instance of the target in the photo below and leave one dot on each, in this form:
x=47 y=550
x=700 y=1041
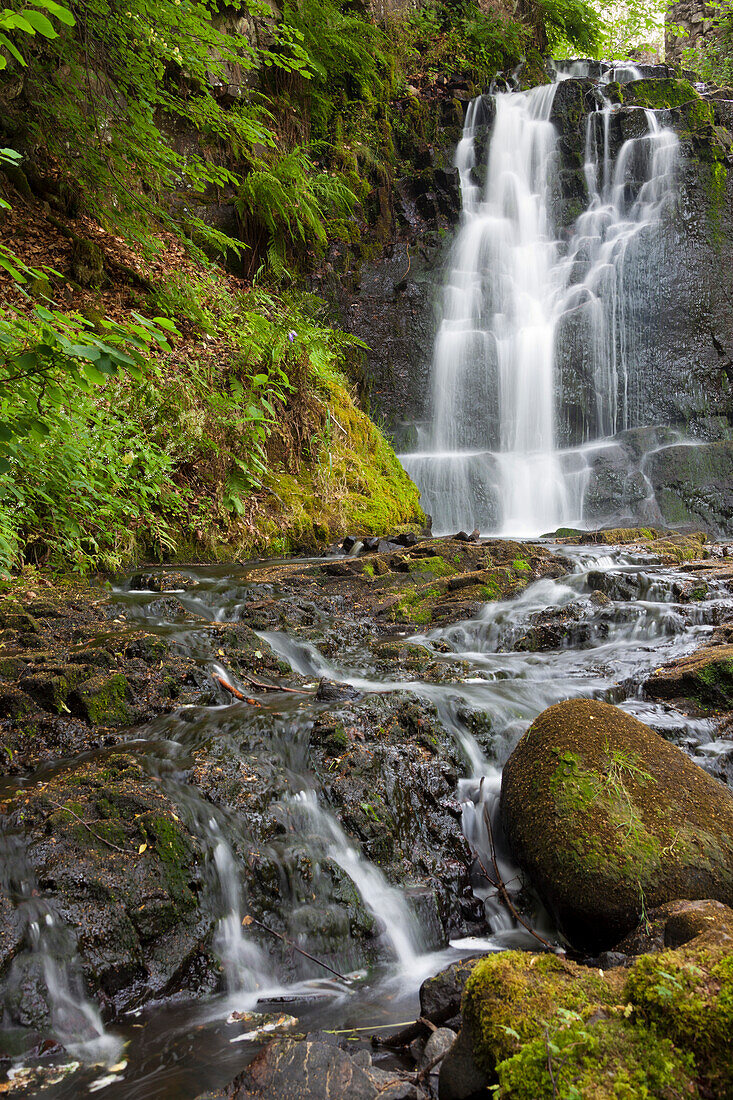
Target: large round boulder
x=609 y=820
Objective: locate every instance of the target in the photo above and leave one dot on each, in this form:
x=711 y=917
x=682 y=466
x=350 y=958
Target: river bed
x=620 y=615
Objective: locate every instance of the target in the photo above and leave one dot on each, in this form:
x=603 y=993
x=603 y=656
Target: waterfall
x=386 y=904
x=522 y=297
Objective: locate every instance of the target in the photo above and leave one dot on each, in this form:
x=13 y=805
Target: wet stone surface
x=312 y=746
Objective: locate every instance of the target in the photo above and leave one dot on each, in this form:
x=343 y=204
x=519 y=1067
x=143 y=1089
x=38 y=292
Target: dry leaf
x=141 y=849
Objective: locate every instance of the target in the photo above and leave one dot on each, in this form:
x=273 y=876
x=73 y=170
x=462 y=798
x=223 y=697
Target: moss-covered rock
x=687 y=996
x=658 y=93
x=102 y=700
x=608 y=819
x=604 y=1060
x=544 y=1027
x=704 y=678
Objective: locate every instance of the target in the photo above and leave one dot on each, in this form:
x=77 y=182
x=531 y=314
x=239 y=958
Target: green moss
x=490 y=591
x=657 y=94
x=436 y=565
x=606 y=1060
x=103 y=700
x=521 y=565
x=687 y=996
x=509 y=997
x=174 y=850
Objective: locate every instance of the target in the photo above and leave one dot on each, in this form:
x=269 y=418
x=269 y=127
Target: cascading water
x=519 y=301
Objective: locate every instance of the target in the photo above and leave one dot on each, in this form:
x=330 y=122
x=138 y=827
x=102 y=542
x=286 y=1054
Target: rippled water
x=178 y=1051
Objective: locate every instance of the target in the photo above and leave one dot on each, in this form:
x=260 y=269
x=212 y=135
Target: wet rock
x=406 y=539
x=606 y=817
x=115 y=862
x=312 y=1070
x=677 y=923
x=331 y=692
x=440 y=996
x=436 y=1048
x=703 y=678
x=103 y=700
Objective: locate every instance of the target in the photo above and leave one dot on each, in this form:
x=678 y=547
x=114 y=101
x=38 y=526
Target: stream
x=625 y=615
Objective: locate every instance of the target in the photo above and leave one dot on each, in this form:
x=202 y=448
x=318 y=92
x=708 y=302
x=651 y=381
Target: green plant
x=133 y=74
x=346 y=54
x=712 y=57
x=287 y=201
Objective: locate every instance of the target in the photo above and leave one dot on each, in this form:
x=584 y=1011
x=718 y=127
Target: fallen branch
x=252 y=920
x=234 y=691
x=66 y=809
x=273 y=687
x=499 y=882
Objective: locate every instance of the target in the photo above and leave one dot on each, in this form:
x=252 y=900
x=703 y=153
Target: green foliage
x=29 y=21
x=569 y=25
x=117 y=90
x=630 y=25
x=288 y=201
x=712 y=57
x=346 y=54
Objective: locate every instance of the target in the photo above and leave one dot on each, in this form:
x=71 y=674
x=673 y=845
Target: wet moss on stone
x=608 y=818
x=605 y=1060
x=687 y=996
x=509 y=998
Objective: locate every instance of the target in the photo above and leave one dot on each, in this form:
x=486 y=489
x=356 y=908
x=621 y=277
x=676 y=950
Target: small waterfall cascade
x=387 y=905
x=49 y=955
x=525 y=296
x=244 y=962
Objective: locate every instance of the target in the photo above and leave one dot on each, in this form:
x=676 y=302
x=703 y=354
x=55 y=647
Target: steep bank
x=201 y=170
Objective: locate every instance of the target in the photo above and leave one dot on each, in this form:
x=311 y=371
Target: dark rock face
x=112 y=858
x=388 y=299
x=316 y=1070
x=606 y=816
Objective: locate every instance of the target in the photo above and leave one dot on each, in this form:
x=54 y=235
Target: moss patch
x=509 y=997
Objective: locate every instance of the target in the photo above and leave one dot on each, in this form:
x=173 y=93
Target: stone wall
x=696 y=18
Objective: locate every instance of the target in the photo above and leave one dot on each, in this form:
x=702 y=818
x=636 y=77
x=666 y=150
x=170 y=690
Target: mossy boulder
x=541 y=1026
x=656 y=94
x=687 y=996
x=102 y=700
x=607 y=1059
x=509 y=999
x=704 y=678
x=608 y=819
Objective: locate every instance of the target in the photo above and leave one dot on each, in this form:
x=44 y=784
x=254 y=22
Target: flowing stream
x=613 y=643
x=518 y=293
x=522 y=295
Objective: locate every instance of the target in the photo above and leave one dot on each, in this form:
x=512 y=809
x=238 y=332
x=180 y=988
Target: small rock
x=349 y=543
x=677 y=923
x=406 y=539
x=371 y=545
x=437 y=1046
x=329 y=691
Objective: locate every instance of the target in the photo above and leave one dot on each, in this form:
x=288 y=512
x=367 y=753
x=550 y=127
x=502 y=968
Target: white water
x=386 y=904
x=516 y=295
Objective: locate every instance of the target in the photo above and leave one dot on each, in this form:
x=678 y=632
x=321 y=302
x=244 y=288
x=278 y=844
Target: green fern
x=294 y=202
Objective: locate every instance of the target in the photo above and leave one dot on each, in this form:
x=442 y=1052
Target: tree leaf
x=40 y=23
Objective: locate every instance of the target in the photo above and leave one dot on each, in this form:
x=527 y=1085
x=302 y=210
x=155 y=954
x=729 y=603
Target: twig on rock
x=498 y=882
x=68 y=810
x=273 y=687
x=234 y=691
x=252 y=920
